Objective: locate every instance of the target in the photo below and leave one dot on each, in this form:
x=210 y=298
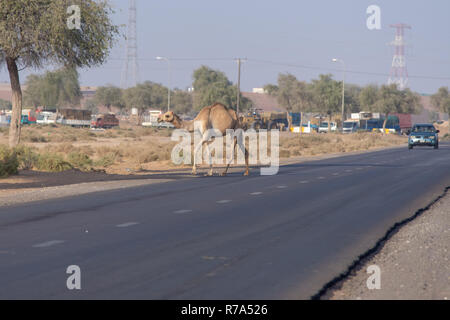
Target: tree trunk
x=301 y=123
x=16 y=116
x=329 y=123
x=385 y=122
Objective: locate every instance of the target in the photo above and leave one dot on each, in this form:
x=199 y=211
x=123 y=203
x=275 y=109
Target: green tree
x=144 y=96
x=58 y=89
x=327 y=95
x=109 y=96
x=181 y=102
x=368 y=97
x=211 y=86
x=391 y=100
x=441 y=100
x=351 y=98
x=4 y=104
x=34 y=33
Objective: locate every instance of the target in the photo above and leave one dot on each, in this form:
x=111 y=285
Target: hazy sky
x=280 y=36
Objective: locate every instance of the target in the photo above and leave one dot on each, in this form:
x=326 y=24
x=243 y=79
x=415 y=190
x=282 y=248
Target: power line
x=294 y=65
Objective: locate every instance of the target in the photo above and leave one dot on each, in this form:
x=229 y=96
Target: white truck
x=323 y=128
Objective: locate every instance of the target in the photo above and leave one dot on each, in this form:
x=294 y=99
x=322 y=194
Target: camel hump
x=230 y=111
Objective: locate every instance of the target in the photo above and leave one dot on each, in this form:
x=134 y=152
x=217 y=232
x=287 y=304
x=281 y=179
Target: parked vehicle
x=423 y=135
x=258 y=119
x=31 y=114
x=23 y=120
x=405 y=122
x=104 y=121
x=46 y=117
x=323 y=127
x=350 y=126
x=75 y=117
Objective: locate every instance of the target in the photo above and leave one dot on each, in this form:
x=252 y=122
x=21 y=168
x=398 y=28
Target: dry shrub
x=9 y=163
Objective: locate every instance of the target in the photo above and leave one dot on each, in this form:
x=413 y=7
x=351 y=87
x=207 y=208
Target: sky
x=299 y=37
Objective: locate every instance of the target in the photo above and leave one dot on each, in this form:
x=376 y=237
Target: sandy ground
x=414 y=263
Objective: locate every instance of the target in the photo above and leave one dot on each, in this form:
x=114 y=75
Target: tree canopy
x=60 y=88
x=109 y=96
x=441 y=100
x=34 y=33
x=212 y=86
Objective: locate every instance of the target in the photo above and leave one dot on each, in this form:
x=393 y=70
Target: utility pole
x=168 y=86
x=238 y=95
x=343 y=89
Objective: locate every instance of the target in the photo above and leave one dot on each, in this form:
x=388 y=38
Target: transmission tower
x=130 y=51
x=399 y=73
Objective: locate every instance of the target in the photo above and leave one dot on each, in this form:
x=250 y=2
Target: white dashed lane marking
x=281 y=187
x=48 y=244
x=304 y=181
x=321 y=178
x=255 y=193
x=183 y=211
x=127 y=224
x=336 y=174
x=223 y=201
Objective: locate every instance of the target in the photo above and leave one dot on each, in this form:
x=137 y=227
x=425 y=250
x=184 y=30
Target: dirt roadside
x=414 y=263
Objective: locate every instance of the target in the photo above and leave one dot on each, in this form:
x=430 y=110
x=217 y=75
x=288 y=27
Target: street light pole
x=168 y=87
x=343 y=87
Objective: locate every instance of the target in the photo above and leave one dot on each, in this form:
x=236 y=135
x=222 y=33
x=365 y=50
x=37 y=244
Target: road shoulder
x=413 y=263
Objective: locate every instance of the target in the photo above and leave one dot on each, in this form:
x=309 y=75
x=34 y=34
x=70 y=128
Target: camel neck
x=182 y=124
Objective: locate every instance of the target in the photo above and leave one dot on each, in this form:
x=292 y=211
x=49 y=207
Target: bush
x=52 y=162
x=27 y=157
x=106 y=160
x=8 y=162
x=80 y=160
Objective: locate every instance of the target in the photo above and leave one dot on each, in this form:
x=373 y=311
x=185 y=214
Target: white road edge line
x=223 y=201
x=183 y=211
x=127 y=224
x=48 y=244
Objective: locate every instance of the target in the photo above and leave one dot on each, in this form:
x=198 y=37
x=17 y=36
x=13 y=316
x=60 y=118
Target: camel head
x=169 y=116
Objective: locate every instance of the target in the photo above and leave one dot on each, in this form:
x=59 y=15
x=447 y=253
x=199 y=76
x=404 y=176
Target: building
x=263 y=101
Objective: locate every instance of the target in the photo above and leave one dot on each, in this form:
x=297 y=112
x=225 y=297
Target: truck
x=350 y=126
x=31 y=114
x=46 y=117
x=259 y=119
x=104 y=121
x=323 y=127
x=74 y=117
x=405 y=122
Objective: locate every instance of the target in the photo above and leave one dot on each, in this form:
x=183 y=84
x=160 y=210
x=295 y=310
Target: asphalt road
x=257 y=237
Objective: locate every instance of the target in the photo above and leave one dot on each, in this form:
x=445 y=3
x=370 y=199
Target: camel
x=217 y=117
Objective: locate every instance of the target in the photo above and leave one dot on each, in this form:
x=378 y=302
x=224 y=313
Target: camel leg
x=196 y=149
x=246 y=172
x=224 y=173
x=210 y=173
x=205 y=139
